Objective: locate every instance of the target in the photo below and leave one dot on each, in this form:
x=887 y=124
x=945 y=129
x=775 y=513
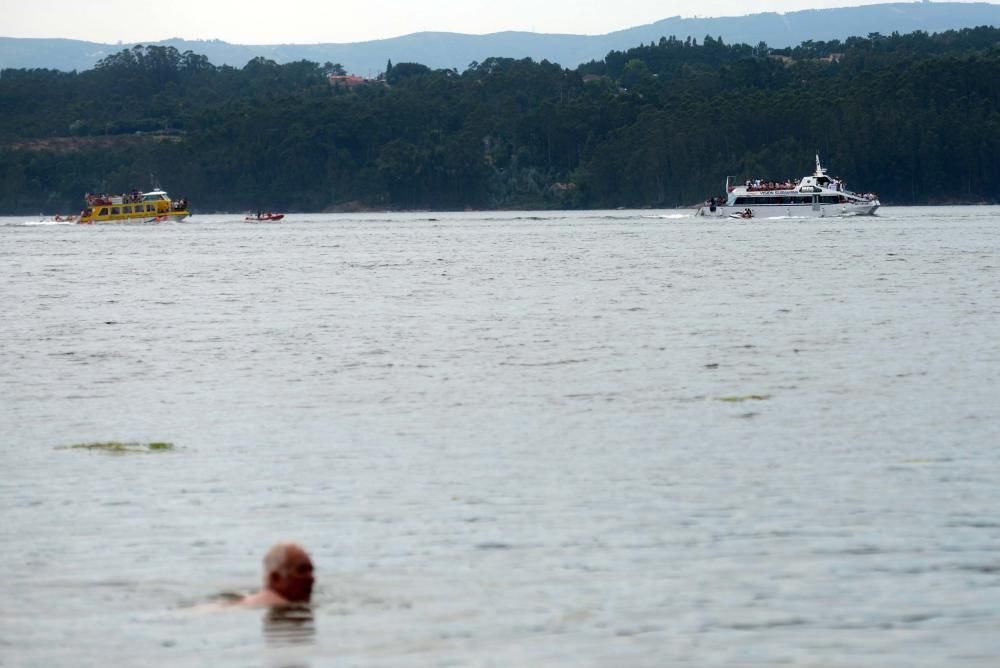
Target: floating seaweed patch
x=119 y=447
x=745 y=397
x=161 y=445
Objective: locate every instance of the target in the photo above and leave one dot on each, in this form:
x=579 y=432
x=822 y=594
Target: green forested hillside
x=915 y=118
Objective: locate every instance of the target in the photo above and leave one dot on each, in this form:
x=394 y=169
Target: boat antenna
x=156 y=186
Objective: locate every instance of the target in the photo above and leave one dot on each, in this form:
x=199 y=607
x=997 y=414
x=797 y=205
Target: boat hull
x=172 y=216
x=791 y=210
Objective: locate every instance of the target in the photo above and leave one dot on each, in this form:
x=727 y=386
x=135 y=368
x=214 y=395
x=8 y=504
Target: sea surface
x=606 y=438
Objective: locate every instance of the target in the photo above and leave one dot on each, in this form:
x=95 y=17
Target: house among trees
x=348 y=80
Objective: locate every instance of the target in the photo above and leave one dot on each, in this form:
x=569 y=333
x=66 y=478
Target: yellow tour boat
x=135 y=207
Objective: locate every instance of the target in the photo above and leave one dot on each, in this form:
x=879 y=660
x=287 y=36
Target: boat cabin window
x=126 y=209
x=810 y=189
x=103 y=211
x=153 y=197
x=150 y=208
x=115 y=210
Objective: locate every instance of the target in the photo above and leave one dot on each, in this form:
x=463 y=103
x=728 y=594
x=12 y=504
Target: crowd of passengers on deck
x=127 y=198
x=760 y=184
x=836 y=183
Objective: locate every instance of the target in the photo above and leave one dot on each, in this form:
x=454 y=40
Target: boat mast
x=819 y=170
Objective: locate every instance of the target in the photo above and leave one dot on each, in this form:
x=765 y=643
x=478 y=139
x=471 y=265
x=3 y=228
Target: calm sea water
x=522 y=439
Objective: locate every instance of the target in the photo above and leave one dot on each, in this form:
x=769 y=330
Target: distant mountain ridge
x=455 y=50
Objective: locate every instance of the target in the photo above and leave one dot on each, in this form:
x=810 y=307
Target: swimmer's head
x=288 y=572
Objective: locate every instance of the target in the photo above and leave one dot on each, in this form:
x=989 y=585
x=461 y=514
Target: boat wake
x=48 y=222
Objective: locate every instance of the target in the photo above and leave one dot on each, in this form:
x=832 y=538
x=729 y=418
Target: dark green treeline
x=914 y=117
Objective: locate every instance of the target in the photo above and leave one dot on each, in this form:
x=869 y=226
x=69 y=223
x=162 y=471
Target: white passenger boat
x=814 y=196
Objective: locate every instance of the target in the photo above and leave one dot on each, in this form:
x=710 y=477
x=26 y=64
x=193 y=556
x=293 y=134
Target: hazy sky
x=312 y=21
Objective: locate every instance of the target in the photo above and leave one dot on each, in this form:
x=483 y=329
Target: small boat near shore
x=263 y=217
x=154 y=206
x=817 y=195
